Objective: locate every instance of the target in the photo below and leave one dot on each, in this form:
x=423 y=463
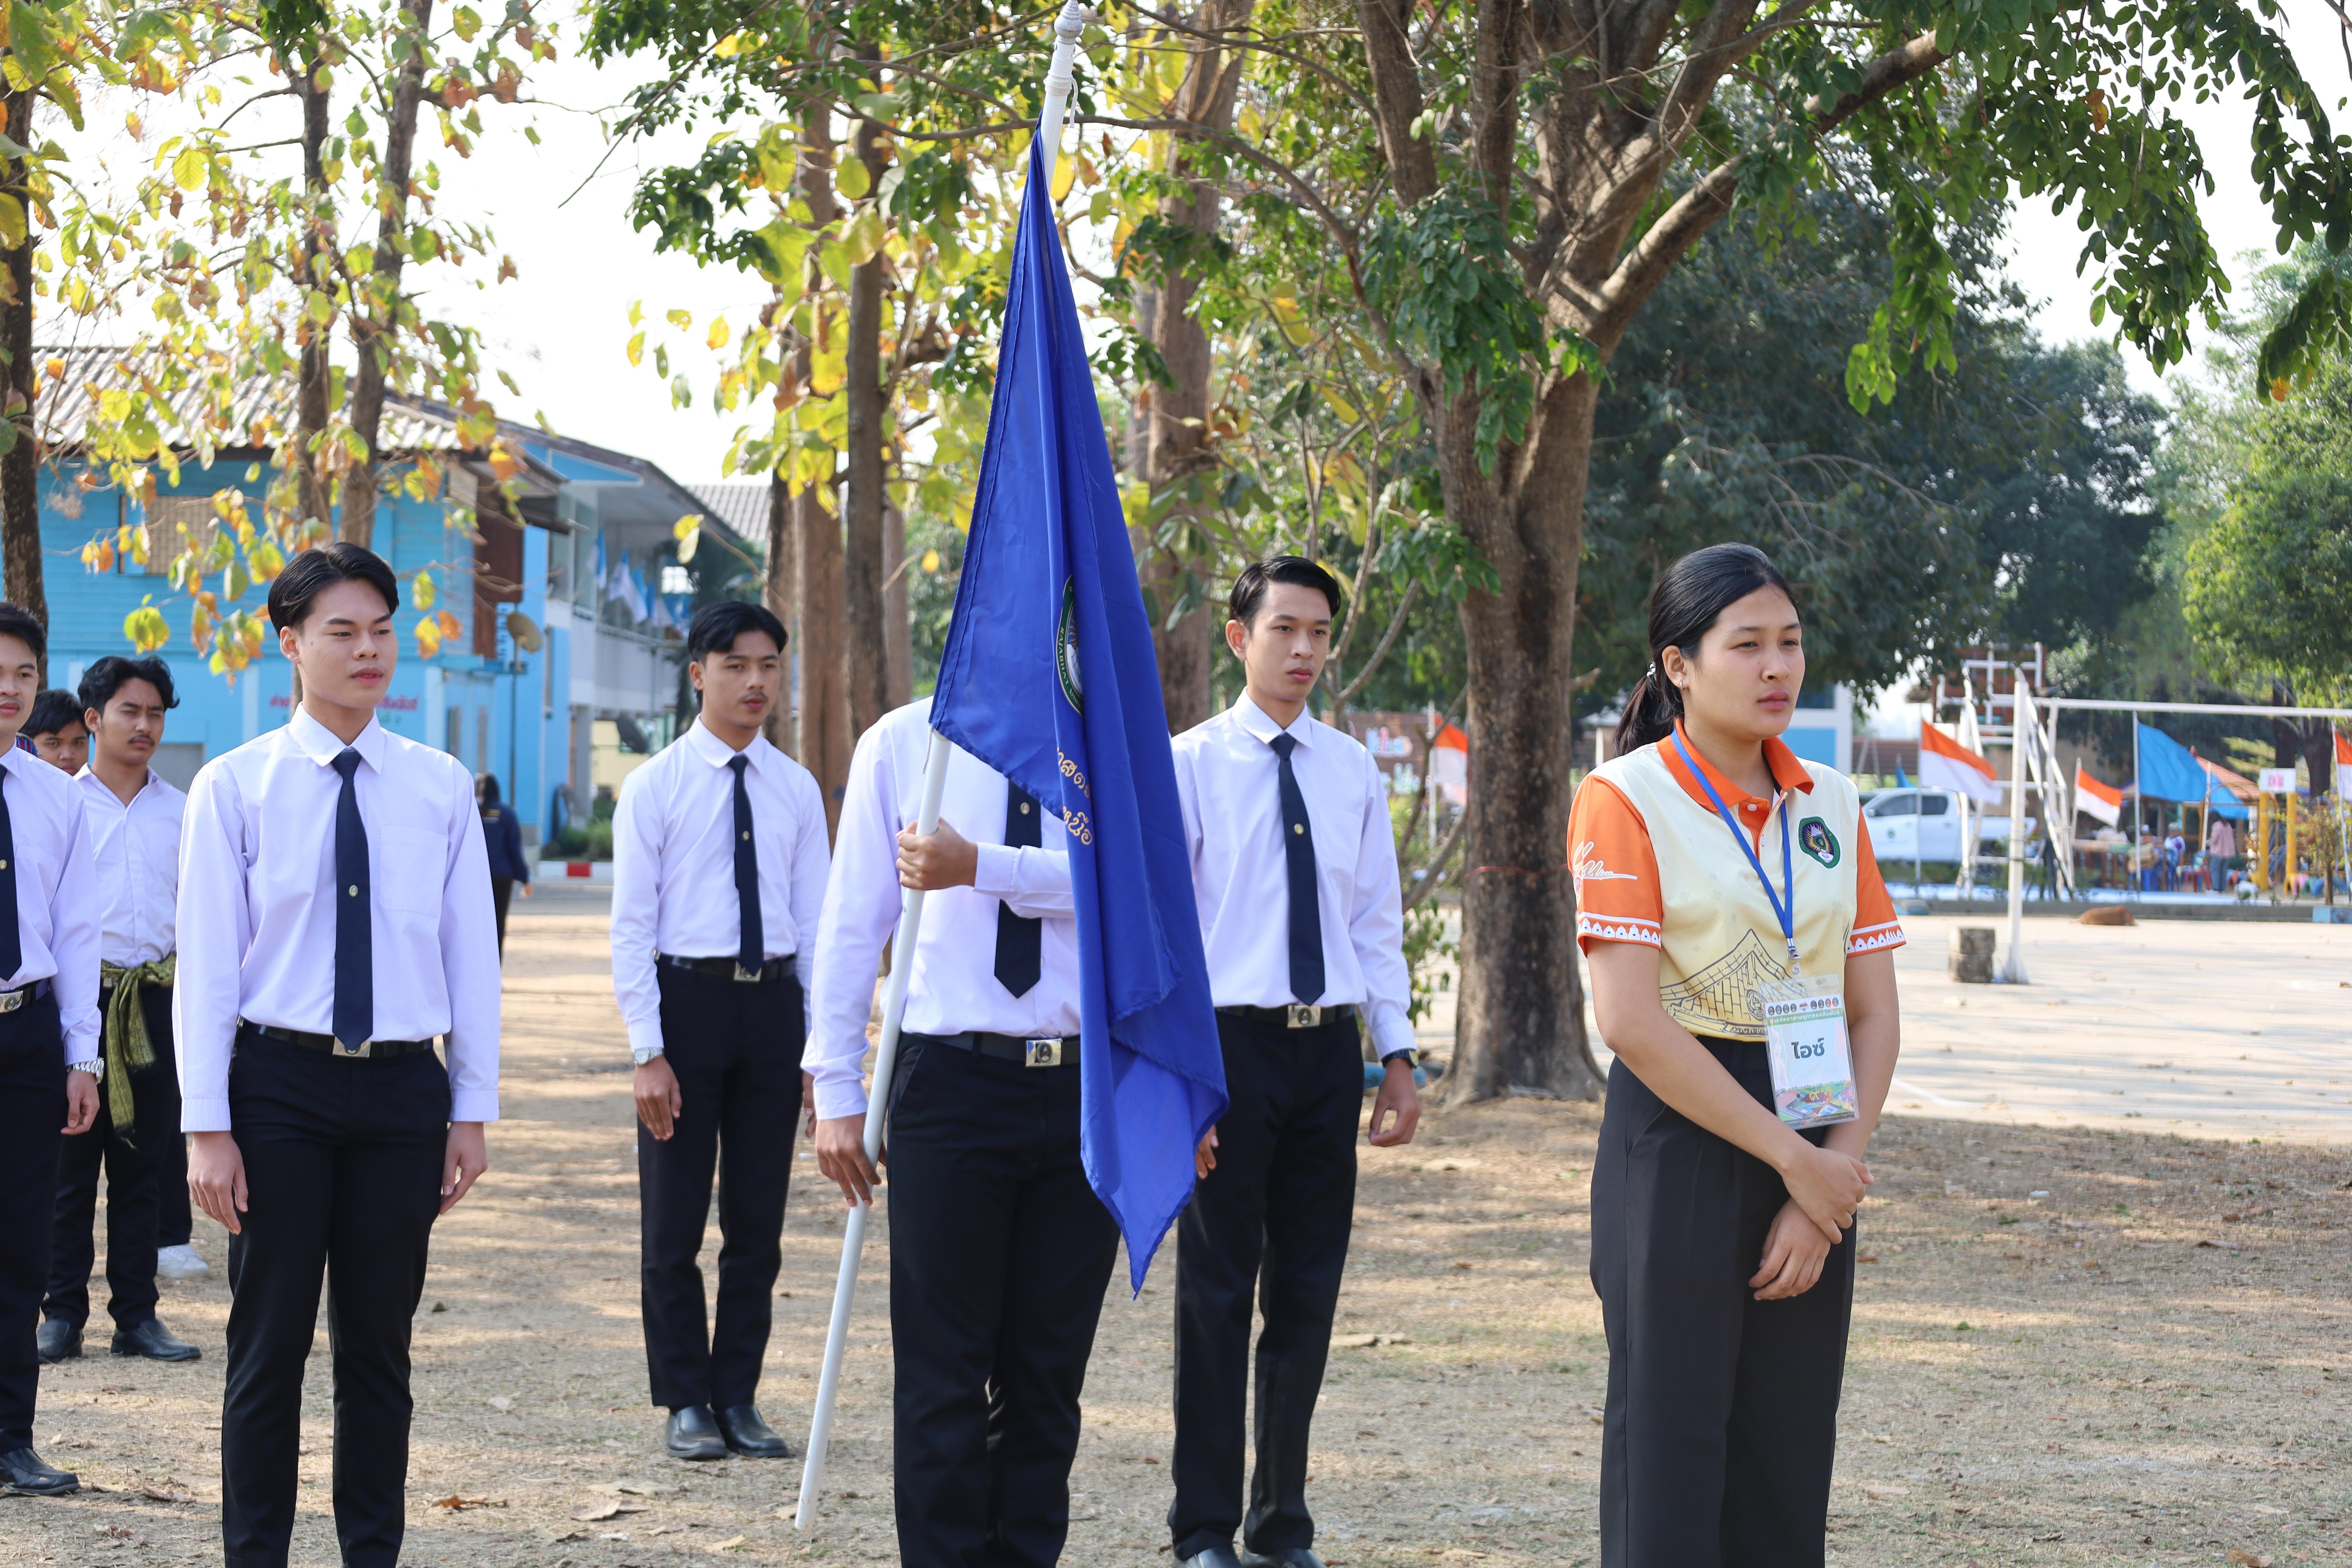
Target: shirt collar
x=98 y=788
x=718 y=753
x=1260 y=723
x=322 y=745
x=1787 y=771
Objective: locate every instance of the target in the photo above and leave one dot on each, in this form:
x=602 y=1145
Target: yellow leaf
x=421 y=590
x=188 y=168
x=826 y=373
x=503 y=463
x=681 y=319
x=1066 y=174
x=428 y=639
x=863 y=238
x=638 y=349
x=719 y=333
x=930 y=561
x=853 y=179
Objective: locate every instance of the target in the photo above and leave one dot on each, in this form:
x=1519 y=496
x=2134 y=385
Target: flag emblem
x=1066 y=648
x=1814 y=837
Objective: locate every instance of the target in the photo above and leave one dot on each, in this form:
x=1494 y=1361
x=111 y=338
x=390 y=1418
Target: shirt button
x=355 y=892
x=1025 y=808
x=1298 y=827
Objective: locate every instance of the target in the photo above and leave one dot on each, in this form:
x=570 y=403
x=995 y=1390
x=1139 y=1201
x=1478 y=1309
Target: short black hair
x=54 y=709
x=486 y=788
x=313 y=571
x=1249 y=588
x=101 y=680
x=15 y=621
x=716 y=627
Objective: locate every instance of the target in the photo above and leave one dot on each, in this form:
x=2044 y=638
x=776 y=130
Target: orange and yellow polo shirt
x=1653 y=863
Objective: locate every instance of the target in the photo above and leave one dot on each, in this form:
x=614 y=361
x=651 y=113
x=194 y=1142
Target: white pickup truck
x=1925 y=824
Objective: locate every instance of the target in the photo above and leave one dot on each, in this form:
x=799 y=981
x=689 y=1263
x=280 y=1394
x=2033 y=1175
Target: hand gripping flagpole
x=1067 y=28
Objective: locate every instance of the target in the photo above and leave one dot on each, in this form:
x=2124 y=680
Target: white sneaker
x=182 y=1262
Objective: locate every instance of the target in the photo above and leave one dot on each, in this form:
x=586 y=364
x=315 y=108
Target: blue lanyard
x=1784 y=904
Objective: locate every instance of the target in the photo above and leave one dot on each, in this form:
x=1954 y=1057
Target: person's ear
x=1237 y=637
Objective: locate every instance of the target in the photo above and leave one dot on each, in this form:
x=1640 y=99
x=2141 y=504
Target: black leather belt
x=24 y=996
x=333 y=1046
x=1040 y=1053
x=728 y=969
x=1298 y=1016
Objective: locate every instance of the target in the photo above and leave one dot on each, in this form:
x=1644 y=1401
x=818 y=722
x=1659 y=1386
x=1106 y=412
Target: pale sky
x=560 y=329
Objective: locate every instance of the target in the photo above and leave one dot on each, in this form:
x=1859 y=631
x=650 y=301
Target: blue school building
x=585 y=553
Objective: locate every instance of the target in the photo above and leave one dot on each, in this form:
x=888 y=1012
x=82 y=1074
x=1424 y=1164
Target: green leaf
x=188 y=168
x=466 y=22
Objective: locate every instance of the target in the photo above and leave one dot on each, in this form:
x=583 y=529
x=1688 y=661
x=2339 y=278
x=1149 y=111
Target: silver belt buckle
x=364 y=1048
x=1303 y=1015
x=1042 y=1054
x=11 y=1000
x=747 y=976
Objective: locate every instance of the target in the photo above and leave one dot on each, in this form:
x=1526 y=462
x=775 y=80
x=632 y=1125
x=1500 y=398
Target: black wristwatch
x=1409 y=1056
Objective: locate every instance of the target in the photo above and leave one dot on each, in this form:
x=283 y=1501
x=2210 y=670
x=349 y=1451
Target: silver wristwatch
x=641 y=1055
x=96 y=1069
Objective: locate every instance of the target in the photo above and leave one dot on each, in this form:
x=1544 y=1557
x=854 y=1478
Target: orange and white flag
x=2093 y=798
x=2343 y=762
x=1945 y=764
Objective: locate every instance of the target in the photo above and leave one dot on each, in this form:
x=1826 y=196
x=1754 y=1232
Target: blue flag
x=1049 y=678
x=1902 y=779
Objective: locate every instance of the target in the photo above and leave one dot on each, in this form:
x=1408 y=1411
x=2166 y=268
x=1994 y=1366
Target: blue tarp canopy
x=2167 y=771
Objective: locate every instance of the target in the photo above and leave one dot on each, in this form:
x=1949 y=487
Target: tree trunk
x=866 y=651
x=372 y=324
x=826 y=736
x=897 y=625
x=1176 y=444
x=824 y=733
x=780 y=590
x=20 y=489
x=311 y=492
x=1520 y=1013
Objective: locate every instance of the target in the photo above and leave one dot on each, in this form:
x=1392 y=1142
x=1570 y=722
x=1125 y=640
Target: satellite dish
x=525 y=631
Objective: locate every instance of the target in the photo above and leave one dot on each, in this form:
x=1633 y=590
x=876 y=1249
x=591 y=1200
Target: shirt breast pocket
x=411 y=869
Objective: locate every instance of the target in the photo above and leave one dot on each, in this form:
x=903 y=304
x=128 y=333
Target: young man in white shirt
x=49 y=1062
x=1000 y=1251
x=334 y=920
x=718 y=872
x=133 y=817
x=1294 y=863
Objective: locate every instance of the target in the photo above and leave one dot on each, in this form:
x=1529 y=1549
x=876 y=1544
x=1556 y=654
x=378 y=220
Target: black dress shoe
x=1213 y=1557
x=693 y=1433
x=749 y=1435
x=58 y=1339
x=1283 y=1557
x=153 y=1340
x=21 y=1471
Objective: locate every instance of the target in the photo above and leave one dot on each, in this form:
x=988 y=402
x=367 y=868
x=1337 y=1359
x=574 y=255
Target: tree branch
x=1396 y=89
x=1670 y=238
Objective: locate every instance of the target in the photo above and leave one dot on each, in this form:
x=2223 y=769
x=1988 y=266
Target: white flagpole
x=2023 y=730
x=1067 y=28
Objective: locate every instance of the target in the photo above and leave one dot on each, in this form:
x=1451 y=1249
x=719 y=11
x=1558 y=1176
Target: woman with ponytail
x=1740 y=944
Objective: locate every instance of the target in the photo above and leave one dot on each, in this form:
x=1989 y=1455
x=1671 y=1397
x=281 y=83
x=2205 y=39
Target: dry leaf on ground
x=2242 y=1558
x=608 y=1511
x=454 y=1504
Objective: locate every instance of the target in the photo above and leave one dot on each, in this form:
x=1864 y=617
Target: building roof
x=73 y=379
x=742 y=506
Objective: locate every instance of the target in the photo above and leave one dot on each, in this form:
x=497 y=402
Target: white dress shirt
x=953 y=987
x=136 y=849
x=1228 y=780
x=256 y=914
x=56 y=896
x=674 y=866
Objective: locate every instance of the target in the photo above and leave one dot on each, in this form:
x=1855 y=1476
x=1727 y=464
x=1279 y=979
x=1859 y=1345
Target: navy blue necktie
x=12 y=947
x=751 y=940
x=354 y=944
x=1019 y=942
x=1298 y=863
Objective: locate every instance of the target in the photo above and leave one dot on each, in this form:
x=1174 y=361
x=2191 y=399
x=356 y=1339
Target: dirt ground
x=2071 y=1345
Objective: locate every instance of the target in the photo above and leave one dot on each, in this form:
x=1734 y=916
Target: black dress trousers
x=134 y=1168
x=736 y=1049
x=342 y=1167
x=32 y=1111
x=1721 y=1419
x=1271 y=1221
x=1000 y=1254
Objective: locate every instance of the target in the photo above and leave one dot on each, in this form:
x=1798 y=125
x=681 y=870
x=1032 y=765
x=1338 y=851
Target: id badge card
x=1804 y=1036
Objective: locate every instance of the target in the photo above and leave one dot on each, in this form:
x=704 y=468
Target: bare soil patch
x=2072 y=1346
